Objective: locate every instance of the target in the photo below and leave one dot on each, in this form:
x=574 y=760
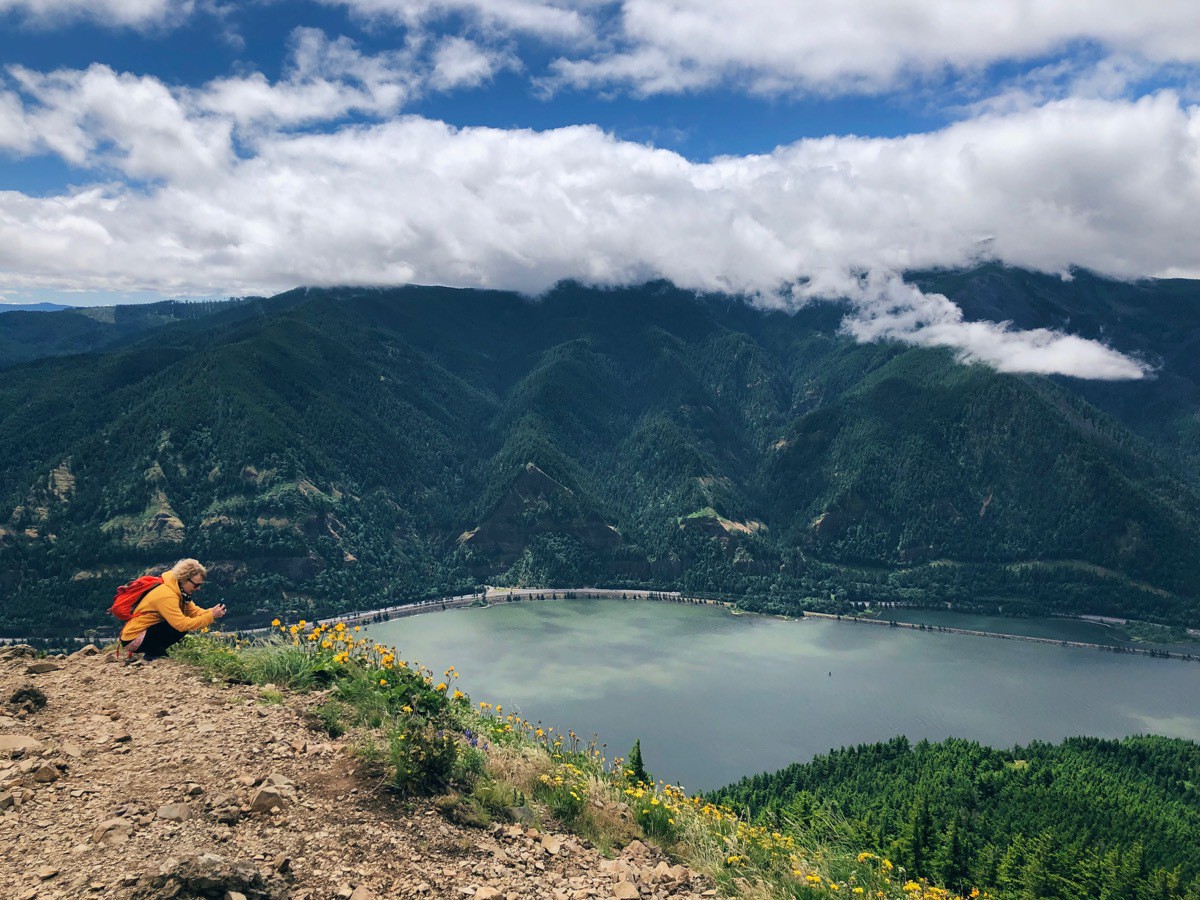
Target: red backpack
x=129 y=595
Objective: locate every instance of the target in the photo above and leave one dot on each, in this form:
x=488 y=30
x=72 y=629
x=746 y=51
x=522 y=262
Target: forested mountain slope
x=339 y=448
x=31 y=332
x=1085 y=818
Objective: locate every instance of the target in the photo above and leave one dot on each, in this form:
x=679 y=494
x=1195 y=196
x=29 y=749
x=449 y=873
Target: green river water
x=714 y=696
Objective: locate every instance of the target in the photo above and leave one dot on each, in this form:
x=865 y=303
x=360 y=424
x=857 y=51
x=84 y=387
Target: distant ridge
x=32 y=307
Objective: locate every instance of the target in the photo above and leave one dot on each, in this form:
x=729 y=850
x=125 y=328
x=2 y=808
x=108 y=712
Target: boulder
x=28 y=698
x=268 y=799
x=46 y=772
x=225 y=808
x=113 y=832
x=636 y=849
x=626 y=890
x=175 y=812
x=282 y=782
x=19 y=743
x=41 y=668
x=85 y=651
x=209 y=875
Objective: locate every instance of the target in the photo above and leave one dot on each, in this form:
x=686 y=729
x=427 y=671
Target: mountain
x=1158 y=321
x=28 y=333
x=32 y=307
x=1085 y=818
x=330 y=449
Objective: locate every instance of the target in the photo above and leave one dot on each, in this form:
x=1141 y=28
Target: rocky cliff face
x=147 y=781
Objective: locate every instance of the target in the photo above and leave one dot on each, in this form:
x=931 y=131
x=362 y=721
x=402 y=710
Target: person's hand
x=218 y=610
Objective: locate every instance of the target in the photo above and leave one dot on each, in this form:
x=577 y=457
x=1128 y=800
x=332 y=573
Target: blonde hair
x=188 y=568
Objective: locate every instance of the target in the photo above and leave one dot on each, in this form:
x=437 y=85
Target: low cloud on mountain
x=319 y=176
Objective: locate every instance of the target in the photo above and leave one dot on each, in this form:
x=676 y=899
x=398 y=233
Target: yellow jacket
x=166 y=603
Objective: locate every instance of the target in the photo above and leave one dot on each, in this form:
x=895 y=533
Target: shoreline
x=497 y=596
x=947 y=629
x=489 y=597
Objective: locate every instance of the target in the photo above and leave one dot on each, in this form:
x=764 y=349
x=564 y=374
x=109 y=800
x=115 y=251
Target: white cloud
x=99 y=117
x=138 y=125
x=119 y=13
x=459 y=63
x=550 y=19
x=16 y=136
x=885 y=308
x=325 y=81
x=767 y=46
x=860 y=45
x=1108 y=185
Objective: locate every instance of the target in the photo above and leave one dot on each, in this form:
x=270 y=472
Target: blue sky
x=784 y=151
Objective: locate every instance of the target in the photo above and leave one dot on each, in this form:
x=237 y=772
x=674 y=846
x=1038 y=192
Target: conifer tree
x=635 y=765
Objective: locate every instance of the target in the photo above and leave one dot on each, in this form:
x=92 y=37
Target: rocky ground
x=150 y=781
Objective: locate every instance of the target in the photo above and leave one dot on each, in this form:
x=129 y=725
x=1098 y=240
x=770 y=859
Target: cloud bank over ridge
x=245 y=184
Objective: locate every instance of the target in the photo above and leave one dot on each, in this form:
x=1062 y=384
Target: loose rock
x=268 y=799
x=113 y=832
x=28 y=698
x=19 y=743
x=45 y=773
x=175 y=812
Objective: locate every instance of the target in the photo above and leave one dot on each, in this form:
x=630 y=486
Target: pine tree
x=952 y=858
x=635 y=765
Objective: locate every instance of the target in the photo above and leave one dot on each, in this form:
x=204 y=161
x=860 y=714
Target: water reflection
x=714 y=696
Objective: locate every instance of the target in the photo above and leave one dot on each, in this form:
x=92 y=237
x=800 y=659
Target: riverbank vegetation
x=416 y=733
x=1088 y=818
x=1150 y=633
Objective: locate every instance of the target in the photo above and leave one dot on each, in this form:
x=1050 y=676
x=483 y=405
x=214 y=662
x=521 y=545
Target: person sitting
x=167 y=613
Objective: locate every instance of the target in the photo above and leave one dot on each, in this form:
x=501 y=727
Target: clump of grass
x=331 y=716
x=223 y=659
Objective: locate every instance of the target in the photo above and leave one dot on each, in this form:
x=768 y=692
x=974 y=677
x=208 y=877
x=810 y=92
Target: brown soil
x=150 y=781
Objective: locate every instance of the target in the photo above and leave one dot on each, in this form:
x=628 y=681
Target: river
x=714 y=696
